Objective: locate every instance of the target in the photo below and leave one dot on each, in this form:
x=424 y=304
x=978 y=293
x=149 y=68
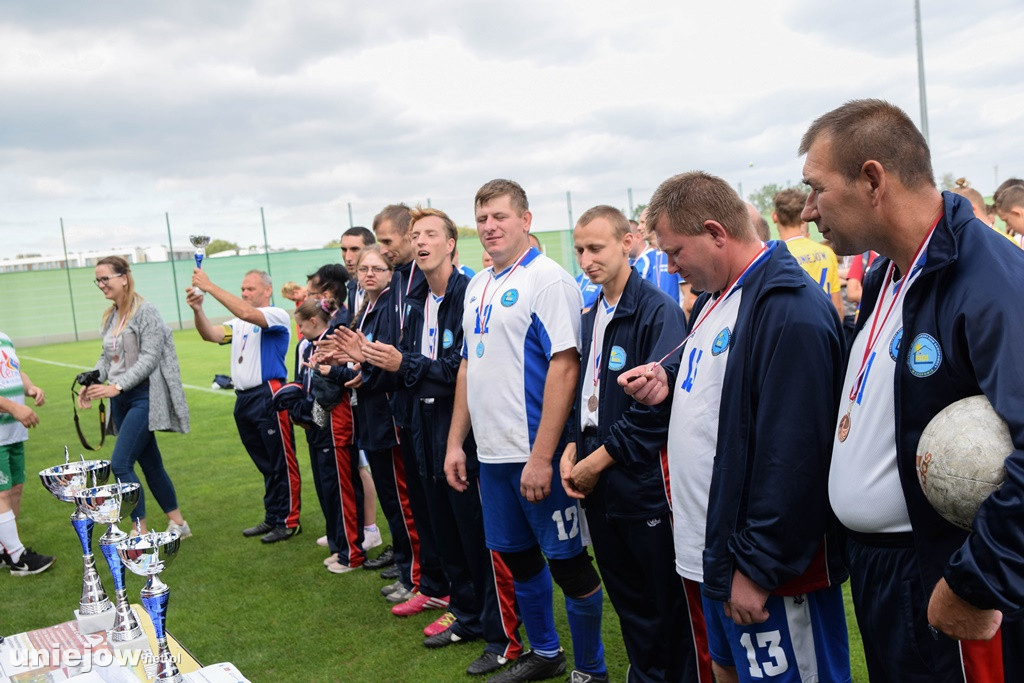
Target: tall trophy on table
x=95 y=612
x=147 y=555
x=104 y=505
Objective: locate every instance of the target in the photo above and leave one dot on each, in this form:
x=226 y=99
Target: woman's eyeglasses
x=101 y=281
x=363 y=270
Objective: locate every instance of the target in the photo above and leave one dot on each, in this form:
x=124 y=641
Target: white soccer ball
x=960 y=458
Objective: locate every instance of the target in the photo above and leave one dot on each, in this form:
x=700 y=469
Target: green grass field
x=274 y=611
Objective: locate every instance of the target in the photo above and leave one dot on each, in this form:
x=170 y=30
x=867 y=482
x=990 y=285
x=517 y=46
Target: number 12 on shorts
x=569 y=517
x=766 y=639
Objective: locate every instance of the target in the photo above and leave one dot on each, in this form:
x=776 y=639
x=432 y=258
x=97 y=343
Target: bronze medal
x=240 y=358
x=116 y=357
x=844 y=427
x=592 y=403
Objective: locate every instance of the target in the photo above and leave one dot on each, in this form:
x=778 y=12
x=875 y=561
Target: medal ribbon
x=401 y=299
x=899 y=291
x=372 y=306
x=731 y=288
x=484 y=301
x=595 y=352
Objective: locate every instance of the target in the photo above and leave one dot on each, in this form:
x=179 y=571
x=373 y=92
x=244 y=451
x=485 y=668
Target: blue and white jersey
x=653 y=267
x=513 y=322
x=693 y=430
x=588 y=289
x=466 y=270
x=258 y=354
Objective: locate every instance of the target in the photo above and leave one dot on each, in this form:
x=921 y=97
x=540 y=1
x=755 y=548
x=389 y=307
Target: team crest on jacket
x=925 y=355
x=447 y=339
x=617 y=358
x=894 y=345
x=510 y=297
x=721 y=342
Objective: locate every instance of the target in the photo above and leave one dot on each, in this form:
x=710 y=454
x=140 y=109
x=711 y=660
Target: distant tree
x=764 y=197
x=218 y=245
x=637 y=210
x=333 y=244
x=466 y=232
x=28 y=255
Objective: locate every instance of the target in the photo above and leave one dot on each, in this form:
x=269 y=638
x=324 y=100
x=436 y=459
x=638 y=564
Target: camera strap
x=78 y=428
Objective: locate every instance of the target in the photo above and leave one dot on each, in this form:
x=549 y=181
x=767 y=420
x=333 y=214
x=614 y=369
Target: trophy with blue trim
x=95 y=612
x=147 y=555
x=200 y=242
x=103 y=505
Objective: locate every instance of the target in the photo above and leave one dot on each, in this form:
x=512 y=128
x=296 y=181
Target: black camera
x=88 y=378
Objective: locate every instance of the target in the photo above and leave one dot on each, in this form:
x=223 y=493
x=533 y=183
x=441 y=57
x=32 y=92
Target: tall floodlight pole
x=920 y=72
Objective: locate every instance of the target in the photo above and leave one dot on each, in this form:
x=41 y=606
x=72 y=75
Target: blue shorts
x=512 y=523
x=804 y=639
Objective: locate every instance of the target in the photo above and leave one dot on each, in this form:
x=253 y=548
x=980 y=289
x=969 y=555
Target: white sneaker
x=333 y=559
x=182 y=529
x=339 y=568
x=322 y=541
x=372 y=539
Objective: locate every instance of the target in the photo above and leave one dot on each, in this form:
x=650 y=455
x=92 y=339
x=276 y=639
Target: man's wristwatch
x=118 y=387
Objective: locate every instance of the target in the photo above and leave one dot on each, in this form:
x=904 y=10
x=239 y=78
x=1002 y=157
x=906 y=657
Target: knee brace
x=575 y=576
x=524 y=564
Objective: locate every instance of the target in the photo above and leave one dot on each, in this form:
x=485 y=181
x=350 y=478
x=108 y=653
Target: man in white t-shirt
x=748 y=474
x=516 y=386
x=259 y=335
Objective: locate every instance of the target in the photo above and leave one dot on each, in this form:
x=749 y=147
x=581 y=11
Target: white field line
x=83 y=367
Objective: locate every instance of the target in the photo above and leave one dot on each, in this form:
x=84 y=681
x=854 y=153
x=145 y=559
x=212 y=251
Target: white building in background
x=88 y=259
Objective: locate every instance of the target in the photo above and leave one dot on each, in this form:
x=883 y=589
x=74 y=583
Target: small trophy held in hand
x=200 y=242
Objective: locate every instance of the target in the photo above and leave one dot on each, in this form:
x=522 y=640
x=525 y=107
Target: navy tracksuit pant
x=335 y=464
x=388 y=474
x=267 y=436
x=481 y=590
x=662 y=624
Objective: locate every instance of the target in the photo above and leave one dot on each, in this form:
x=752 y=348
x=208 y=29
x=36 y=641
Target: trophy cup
x=199 y=242
x=103 y=505
x=147 y=555
x=94 y=613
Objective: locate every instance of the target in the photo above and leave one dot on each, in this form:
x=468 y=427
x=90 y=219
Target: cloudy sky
x=114 y=113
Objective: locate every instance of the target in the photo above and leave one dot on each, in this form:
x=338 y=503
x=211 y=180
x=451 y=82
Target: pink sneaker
x=417 y=603
x=440 y=625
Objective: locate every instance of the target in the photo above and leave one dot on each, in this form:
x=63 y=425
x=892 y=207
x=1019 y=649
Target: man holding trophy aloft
x=259 y=335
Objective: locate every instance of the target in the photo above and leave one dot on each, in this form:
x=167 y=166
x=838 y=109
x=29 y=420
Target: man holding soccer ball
x=934 y=602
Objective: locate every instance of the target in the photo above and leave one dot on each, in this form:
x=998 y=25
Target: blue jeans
x=130 y=413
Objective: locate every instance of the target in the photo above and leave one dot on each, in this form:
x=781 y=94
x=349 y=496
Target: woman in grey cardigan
x=140 y=366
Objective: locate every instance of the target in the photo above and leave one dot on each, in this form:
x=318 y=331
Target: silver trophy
x=200 y=242
x=103 y=505
x=94 y=613
x=147 y=555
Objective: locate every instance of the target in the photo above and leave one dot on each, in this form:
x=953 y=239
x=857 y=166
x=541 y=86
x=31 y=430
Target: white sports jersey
x=693 y=430
x=864 y=480
x=588 y=417
x=258 y=354
x=429 y=343
x=513 y=322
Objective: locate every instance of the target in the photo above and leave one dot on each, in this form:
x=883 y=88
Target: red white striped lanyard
x=484 y=301
x=733 y=286
x=899 y=291
x=371 y=307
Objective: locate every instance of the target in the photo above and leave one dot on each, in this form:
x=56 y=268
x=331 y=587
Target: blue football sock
x=534 y=596
x=585 y=625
